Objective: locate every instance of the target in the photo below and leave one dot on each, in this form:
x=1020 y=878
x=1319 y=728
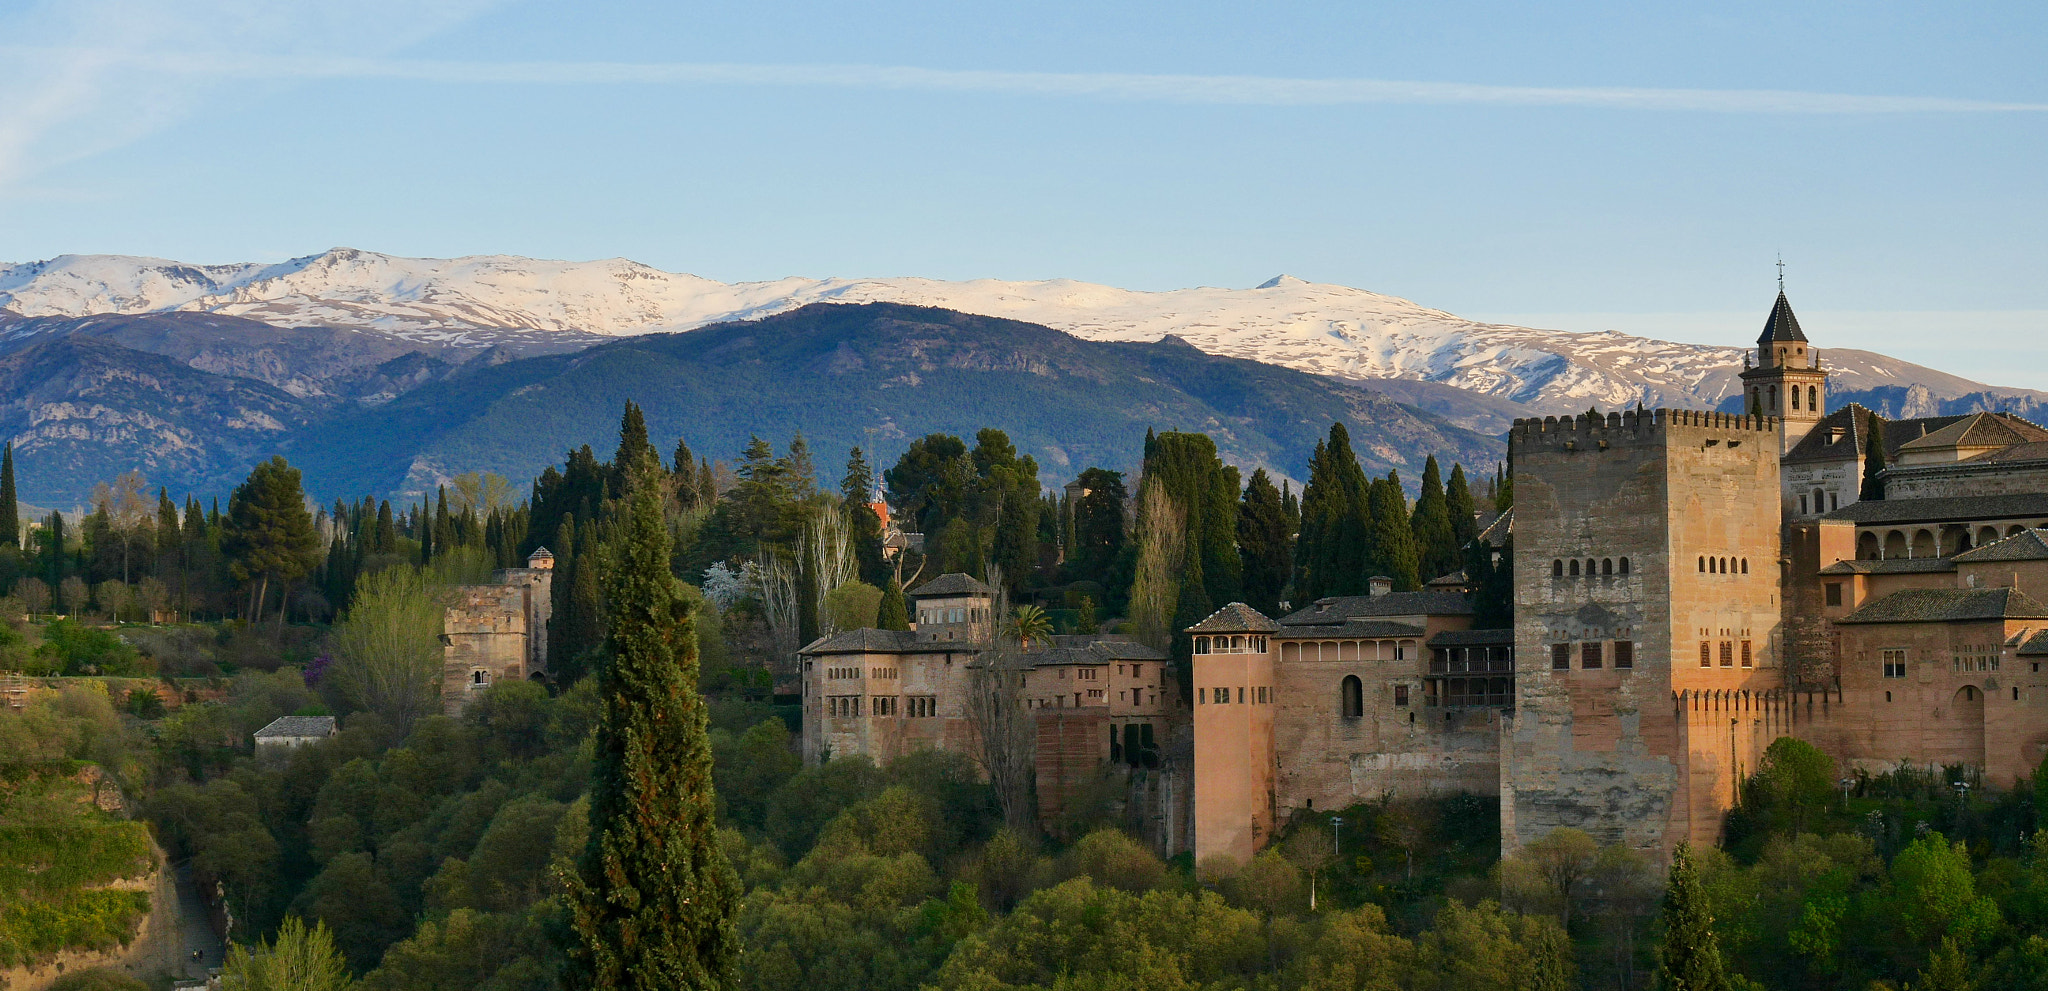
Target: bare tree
x=153 y=597
x=73 y=595
x=1555 y=870
x=1002 y=722
x=1162 y=552
x=35 y=595
x=828 y=555
x=774 y=583
x=115 y=597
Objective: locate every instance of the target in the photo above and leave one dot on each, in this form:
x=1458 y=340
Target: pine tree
x=269 y=535
x=1436 y=547
x=655 y=898
x=634 y=453
x=1873 y=460
x=1458 y=502
x=863 y=525
x=1329 y=554
x=1085 y=623
x=10 y=509
x=1504 y=488
x=895 y=612
x=1690 y=959
x=684 y=476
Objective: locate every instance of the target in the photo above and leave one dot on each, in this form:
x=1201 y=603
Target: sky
x=1636 y=166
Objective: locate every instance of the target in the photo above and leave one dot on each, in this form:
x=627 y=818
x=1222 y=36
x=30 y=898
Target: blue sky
x=1636 y=166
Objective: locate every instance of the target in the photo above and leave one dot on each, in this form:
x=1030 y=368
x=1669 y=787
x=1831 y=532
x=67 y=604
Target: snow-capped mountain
x=1326 y=329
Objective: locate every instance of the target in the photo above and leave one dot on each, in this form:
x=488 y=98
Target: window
x=1592 y=567
x=1575 y=567
x=1745 y=654
x=1795 y=397
x=1745 y=566
x=1353 y=697
x=1703 y=564
x=1832 y=503
x=1606 y=566
x=1201 y=645
x=1589 y=655
x=1222 y=696
x=1894 y=666
x=1813 y=399
x=1560 y=657
x=1240 y=696
x=1706 y=655
x=1624 y=566
x=1834 y=593
x=1802 y=505
x=479 y=678
x=1727 y=653
x=1400 y=694
x=1624 y=654
x=1556 y=568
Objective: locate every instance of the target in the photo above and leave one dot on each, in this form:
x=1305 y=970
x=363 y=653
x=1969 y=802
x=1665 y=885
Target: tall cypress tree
x=1873 y=460
x=1690 y=959
x=1264 y=541
x=684 y=475
x=1330 y=553
x=10 y=509
x=655 y=897
x=1436 y=549
x=863 y=525
x=895 y=612
x=634 y=453
x=1390 y=542
x=1458 y=503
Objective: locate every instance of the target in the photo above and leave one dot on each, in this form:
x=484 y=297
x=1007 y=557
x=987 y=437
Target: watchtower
x=1786 y=383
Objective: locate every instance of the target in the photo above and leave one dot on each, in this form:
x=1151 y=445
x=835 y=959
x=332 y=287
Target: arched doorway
x=1894 y=545
x=1966 y=723
x=1866 y=546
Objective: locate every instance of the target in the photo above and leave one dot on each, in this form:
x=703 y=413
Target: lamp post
x=1845 y=783
x=1337 y=830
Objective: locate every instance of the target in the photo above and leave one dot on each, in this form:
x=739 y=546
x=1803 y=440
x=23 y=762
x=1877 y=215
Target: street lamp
x=1845 y=783
x=1337 y=829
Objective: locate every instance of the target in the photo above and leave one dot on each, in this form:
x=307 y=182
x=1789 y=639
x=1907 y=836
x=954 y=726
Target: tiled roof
x=872 y=641
x=1949 y=605
x=1782 y=325
x=284 y=726
x=1235 y=618
x=1979 y=430
x=1956 y=508
x=2037 y=646
x=2030 y=451
x=1113 y=645
x=1340 y=608
x=1357 y=629
x=1472 y=638
x=2026 y=545
x=1062 y=651
x=1496 y=531
x=953 y=583
x=1455 y=579
x=1853 y=420
x=1894 y=566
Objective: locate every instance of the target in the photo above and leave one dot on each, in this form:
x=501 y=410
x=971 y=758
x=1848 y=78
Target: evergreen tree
x=10 y=508
x=1206 y=490
x=1873 y=460
x=1265 y=543
x=1493 y=595
x=684 y=476
x=1436 y=548
x=269 y=535
x=1330 y=552
x=635 y=453
x=1458 y=502
x=1085 y=622
x=895 y=612
x=1391 y=542
x=707 y=484
x=1690 y=959
x=1099 y=526
x=1504 y=484
x=655 y=897
x=864 y=526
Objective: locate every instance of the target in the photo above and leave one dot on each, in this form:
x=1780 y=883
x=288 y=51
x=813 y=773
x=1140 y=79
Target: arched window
x=1774 y=399
x=1802 y=505
x=1624 y=566
x=1354 y=697
x=1795 y=397
x=1819 y=501
x=1201 y=645
x=1575 y=567
x=1592 y=567
x=1607 y=566
x=1745 y=566
x=1812 y=399
x=1703 y=564
x=1556 y=568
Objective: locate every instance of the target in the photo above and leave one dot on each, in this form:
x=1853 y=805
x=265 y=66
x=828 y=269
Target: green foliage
x=1330 y=553
x=655 y=895
x=1691 y=956
x=1437 y=546
x=1793 y=784
x=75 y=649
x=58 y=854
x=301 y=959
x=1155 y=939
x=388 y=648
x=1265 y=542
x=893 y=613
x=1391 y=549
x=1873 y=460
x=97 y=979
x=1187 y=468
x=853 y=606
x=269 y=535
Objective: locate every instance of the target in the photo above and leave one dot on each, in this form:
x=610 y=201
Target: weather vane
x=1781 y=273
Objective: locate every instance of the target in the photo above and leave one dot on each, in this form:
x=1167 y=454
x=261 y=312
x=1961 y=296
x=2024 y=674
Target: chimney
x=1379 y=585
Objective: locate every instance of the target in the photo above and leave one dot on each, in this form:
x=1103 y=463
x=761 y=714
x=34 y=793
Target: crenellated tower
x=1785 y=381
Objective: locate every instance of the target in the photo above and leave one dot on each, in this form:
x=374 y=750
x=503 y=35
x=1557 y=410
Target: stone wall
x=494 y=633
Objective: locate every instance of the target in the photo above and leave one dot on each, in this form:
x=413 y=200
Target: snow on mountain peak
x=1282 y=279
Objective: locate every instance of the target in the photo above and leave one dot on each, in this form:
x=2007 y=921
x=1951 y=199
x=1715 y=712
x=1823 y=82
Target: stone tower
x=1646 y=610
x=1786 y=382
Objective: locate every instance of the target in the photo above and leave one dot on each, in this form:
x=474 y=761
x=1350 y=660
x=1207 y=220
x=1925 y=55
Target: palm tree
x=1028 y=622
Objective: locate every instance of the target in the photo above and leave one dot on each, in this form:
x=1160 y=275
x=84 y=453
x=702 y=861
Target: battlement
x=1637 y=421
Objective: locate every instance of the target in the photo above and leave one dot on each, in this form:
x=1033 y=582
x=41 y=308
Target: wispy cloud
x=1192 y=89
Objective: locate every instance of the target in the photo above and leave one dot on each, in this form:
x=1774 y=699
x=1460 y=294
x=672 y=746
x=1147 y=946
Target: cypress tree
x=1458 y=502
x=1264 y=542
x=863 y=525
x=10 y=509
x=655 y=897
x=895 y=612
x=634 y=453
x=1690 y=959
x=1085 y=622
x=1873 y=460
x=1335 y=505
x=1435 y=546
x=684 y=475
x=1504 y=491
x=1390 y=542
x=707 y=484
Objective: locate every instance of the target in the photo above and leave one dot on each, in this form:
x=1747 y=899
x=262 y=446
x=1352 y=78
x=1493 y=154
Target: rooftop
x=952 y=583
x=1473 y=638
x=1978 y=430
x=296 y=726
x=2026 y=545
x=1235 y=618
x=1338 y=609
x=1894 y=566
x=872 y=641
x=1958 y=508
x=1782 y=325
x=1949 y=605
x=2037 y=646
x=1356 y=629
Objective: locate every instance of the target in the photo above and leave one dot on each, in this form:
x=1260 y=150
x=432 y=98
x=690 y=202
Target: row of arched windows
x=1812 y=398
x=1724 y=565
x=1592 y=568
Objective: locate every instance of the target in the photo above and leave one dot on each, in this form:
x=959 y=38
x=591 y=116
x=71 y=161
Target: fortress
x=1688 y=587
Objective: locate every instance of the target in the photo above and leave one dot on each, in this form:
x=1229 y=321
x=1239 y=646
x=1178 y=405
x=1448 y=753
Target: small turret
x=541 y=559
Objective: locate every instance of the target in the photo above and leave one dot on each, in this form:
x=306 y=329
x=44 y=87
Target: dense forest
x=420 y=850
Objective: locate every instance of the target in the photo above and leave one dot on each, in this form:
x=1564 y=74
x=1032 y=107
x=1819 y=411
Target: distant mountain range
x=344 y=331
x=83 y=408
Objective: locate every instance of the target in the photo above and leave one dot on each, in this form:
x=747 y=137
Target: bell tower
x=1785 y=380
